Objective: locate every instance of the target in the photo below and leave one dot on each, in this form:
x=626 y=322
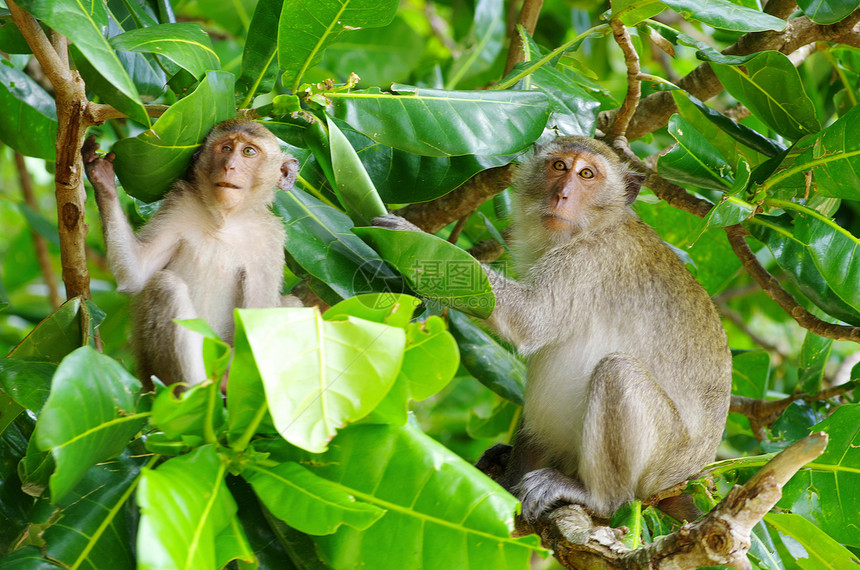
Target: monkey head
x=573 y=183
x=239 y=165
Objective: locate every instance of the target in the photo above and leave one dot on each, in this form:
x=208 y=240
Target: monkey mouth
x=226 y=185
x=549 y=218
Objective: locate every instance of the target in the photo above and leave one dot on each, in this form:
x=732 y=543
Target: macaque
x=214 y=245
x=629 y=372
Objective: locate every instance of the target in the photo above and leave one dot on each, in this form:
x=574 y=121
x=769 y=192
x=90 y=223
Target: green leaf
x=307 y=28
x=96 y=518
x=483 y=43
x=435 y=269
x=769 y=85
x=308 y=502
x=148 y=164
x=190 y=413
x=573 y=110
x=827 y=12
x=28 y=122
x=318 y=375
x=489 y=362
x=431 y=358
x=694 y=160
x=186 y=44
x=320 y=240
x=813 y=360
x=726 y=15
x=84 y=25
x=354 y=188
x=67 y=328
x=430 y=122
x=259 y=68
x=444 y=513
x=387 y=308
x=750 y=373
x=184 y=505
x=797 y=258
x=810 y=547
x=832 y=156
x=89 y=416
x=28 y=382
x=827 y=500
x=403 y=177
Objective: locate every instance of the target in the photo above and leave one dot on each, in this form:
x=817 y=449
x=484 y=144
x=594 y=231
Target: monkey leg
x=164 y=348
x=632 y=445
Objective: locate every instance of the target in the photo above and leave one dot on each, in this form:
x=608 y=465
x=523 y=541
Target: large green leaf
x=148 y=164
x=320 y=240
x=435 y=269
x=69 y=327
x=833 y=157
x=485 y=359
x=90 y=416
x=431 y=122
x=95 y=522
x=769 y=85
x=573 y=110
x=354 y=187
x=828 y=499
x=483 y=43
x=726 y=15
x=694 y=160
x=796 y=257
x=84 y=25
x=750 y=373
x=184 y=506
x=810 y=547
x=28 y=122
x=186 y=44
x=403 y=177
x=306 y=28
x=308 y=502
x=318 y=375
x=441 y=511
x=259 y=67
x=27 y=382
x=827 y=11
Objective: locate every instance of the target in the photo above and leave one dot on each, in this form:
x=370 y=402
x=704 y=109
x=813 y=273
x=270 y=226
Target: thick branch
x=528 y=20
x=720 y=537
x=71 y=101
x=654 y=111
x=434 y=215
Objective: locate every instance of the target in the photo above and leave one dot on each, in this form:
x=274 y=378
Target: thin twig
x=634 y=86
x=528 y=20
x=458 y=228
x=38 y=241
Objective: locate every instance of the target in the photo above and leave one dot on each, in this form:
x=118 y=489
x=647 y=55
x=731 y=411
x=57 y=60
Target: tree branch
x=71 y=101
x=763 y=413
x=634 y=86
x=654 y=110
x=720 y=537
x=528 y=20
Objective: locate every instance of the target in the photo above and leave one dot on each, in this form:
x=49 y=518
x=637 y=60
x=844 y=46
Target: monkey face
x=573 y=183
x=236 y=159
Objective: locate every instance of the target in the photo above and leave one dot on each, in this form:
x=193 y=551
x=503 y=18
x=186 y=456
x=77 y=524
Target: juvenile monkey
x=629 y=372
x=213 y=246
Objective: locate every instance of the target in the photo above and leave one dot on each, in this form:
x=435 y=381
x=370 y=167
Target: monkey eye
x=249 y=151
x=586 y=173
x=226 y=148
x=559 y=165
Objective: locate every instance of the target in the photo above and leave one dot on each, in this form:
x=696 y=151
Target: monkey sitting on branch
x=214 y=245
x=628 y=369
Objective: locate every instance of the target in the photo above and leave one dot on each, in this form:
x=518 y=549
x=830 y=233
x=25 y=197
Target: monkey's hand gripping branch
x=722 y=536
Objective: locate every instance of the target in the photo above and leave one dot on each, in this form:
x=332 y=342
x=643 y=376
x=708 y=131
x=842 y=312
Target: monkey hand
x=392 y=222
x=543 y=489
x=99 y=170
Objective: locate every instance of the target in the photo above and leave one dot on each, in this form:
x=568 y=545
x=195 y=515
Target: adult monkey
x=214 y=245
x=629 y=372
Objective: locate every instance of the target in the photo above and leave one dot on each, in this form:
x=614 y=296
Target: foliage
x=323 y=455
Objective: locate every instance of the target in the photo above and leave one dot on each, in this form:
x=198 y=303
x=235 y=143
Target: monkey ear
x=289 y=170
x=633 y=182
